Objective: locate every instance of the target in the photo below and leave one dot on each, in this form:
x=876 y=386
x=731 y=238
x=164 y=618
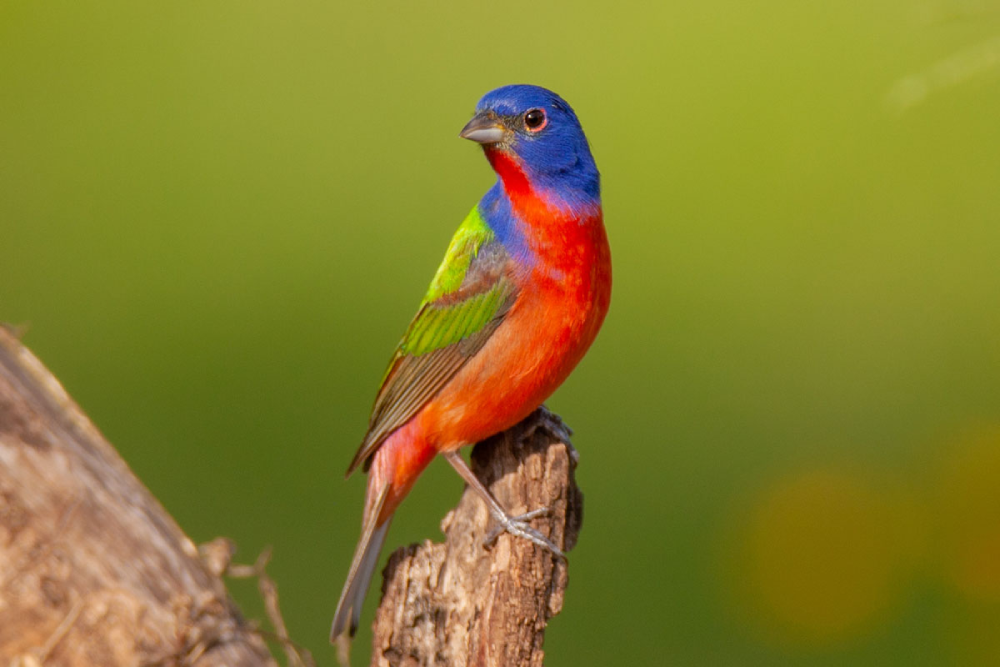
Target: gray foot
x=551 y=423
x=518 y=526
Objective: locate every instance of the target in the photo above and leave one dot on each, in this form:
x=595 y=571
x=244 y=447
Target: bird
x=521 y=294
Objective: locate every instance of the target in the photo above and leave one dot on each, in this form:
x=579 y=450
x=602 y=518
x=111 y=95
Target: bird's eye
x=535 y=120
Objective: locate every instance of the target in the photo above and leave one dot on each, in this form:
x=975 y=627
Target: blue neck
x=496 y=210
x=575 y=178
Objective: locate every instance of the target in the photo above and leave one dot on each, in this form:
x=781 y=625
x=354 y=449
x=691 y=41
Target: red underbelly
x=526 y=359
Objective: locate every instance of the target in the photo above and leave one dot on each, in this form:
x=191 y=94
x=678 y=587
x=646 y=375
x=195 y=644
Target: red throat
x=515 y=181
x=532 y=204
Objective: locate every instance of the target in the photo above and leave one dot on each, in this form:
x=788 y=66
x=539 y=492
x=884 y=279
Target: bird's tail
x=348 y=614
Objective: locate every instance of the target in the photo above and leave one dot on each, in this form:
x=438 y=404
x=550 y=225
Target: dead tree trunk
x=93 y=571
x=457 y=604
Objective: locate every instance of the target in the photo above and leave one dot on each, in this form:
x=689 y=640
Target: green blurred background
x=218 y=217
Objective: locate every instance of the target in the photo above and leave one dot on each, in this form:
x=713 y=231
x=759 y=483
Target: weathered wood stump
x=93 y=571
x=460 y=604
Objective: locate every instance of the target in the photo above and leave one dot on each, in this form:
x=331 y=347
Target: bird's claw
x=551 y=423
x=518 y=526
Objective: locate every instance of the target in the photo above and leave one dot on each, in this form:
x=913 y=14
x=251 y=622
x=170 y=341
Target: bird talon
x=550 y=423
x=492 y=536
x=518 y=526
x=527 y=516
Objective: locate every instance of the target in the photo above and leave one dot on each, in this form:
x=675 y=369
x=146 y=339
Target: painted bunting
x=517 y=301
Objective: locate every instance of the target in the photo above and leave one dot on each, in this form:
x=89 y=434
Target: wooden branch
x=93 y=571
x=460 y=604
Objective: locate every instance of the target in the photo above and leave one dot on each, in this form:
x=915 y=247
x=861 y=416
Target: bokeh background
x=218 y=217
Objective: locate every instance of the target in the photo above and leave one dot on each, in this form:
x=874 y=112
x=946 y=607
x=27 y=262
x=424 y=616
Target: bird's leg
x=515 y=525
x=496 y=530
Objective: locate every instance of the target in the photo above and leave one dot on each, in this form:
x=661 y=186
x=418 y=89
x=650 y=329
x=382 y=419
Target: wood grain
x=93 y=571
x=460 y=604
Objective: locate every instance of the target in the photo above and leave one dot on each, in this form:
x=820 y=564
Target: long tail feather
x=348 y=613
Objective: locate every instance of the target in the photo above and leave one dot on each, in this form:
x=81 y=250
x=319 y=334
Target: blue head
x=539 y=130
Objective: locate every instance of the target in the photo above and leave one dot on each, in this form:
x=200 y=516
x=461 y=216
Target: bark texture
x=460 y=604
x=93 y=571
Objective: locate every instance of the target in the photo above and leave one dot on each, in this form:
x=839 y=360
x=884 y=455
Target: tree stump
x=93 y=571
x=460 y=604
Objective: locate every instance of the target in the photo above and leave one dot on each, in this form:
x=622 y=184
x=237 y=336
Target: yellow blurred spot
x=969 y=518
x=823 y=556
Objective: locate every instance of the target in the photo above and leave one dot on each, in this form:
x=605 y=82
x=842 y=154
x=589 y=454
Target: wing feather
x=468 y=299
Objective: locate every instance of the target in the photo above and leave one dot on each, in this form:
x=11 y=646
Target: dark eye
x=535 y=120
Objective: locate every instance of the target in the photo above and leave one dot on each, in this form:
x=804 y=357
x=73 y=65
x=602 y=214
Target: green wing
x=467 y=300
